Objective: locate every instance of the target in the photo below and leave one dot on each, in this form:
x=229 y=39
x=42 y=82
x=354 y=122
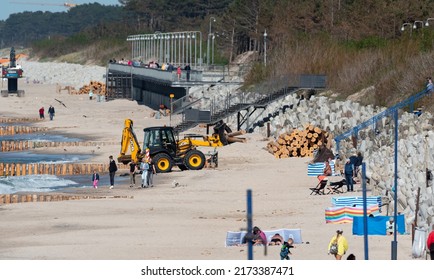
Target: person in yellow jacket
x=342 y=245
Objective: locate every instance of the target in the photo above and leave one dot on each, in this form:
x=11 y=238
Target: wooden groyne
x=8 y=146
x=18 y=120
x=21 y=198
x=12 y=130
x=21 y=169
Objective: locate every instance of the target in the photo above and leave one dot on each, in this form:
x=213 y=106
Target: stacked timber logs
x=299 y=143
x=96 y=87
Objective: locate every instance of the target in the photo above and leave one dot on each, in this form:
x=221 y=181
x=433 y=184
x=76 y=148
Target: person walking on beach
x=144 y=167
x=133 y=167
x=41 y=113
x=51 y=112
x=338 y=245
x=95 y=179
x=151 y=172
x=112 y=170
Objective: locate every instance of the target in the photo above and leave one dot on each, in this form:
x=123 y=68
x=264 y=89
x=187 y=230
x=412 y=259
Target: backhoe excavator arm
x=191 y=141
x=129 y=142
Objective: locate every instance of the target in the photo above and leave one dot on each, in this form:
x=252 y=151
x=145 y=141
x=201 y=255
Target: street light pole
x=171 y=108
x=213 y=37
x=211 y=19
x=265 y=47
x=394 y=245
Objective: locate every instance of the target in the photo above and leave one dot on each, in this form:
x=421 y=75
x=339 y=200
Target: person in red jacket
x=41 y=113
x=430 y=243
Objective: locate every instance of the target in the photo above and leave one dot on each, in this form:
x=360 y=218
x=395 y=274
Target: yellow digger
x=165 y=150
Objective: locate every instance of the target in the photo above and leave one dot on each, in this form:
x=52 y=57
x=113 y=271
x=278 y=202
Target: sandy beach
x=187 y=222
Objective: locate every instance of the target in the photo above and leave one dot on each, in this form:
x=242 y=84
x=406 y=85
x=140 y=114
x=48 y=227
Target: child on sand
x=95 y=179
x=284 y=251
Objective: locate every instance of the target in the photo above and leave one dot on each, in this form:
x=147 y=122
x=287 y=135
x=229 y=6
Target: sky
x=8 y=7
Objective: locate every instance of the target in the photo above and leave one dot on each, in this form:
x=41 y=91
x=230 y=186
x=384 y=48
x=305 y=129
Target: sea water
x=33 y=183
x=52 y=183
x=31 y=157
x=47 y=183
x=39 y=137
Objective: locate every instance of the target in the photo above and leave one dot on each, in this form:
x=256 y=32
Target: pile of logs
x=98 y=88
x=299 y=143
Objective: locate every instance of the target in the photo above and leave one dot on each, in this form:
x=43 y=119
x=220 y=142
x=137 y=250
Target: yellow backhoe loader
x=165 y=150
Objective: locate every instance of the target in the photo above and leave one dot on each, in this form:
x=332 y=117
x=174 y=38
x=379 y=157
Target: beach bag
x=334 y=248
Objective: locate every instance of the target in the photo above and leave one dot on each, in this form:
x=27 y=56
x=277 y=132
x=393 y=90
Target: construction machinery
x=12 y=73
x=165 y=150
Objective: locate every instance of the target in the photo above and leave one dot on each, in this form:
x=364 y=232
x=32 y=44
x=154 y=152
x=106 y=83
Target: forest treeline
x=358 y=44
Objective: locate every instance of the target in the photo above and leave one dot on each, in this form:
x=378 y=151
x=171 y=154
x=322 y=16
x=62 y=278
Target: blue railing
x=354 y=131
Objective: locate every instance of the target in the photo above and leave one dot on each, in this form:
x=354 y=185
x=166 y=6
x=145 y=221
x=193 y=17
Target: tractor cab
x=159 y=139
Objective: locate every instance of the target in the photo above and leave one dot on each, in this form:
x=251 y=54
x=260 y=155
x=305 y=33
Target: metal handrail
x=354 y=131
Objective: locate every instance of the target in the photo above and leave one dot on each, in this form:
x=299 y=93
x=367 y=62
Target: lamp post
x=212 y=47
x=394 y=243
x=171 y=108
x=265 y=47
x=211 y=20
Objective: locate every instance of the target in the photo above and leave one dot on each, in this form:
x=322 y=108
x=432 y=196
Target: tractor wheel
x=163 y=163
x=194 y=160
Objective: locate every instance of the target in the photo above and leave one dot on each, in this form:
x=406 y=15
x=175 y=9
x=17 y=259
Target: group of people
x=146 y=168
x=258 y=237
x=154 y=65
x=350 y=170
x=338 y=245
x=51 y=113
